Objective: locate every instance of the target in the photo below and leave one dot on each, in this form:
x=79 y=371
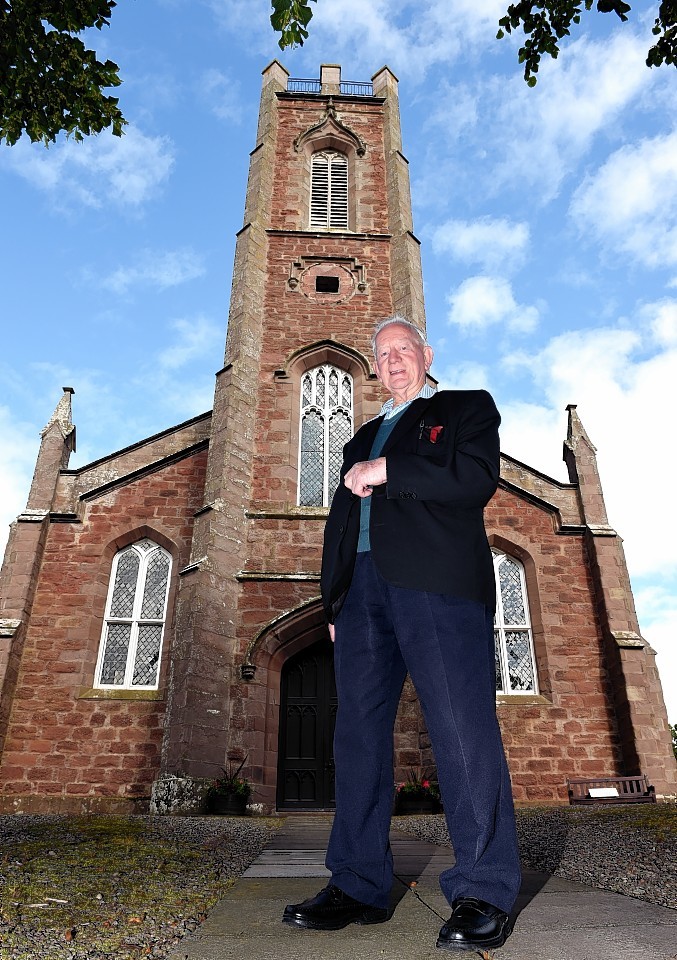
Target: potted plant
x=417 y=794
x=229 y=794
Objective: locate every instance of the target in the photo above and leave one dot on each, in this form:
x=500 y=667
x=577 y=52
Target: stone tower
x=326 y=251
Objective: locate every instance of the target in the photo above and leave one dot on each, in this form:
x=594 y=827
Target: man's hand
x=363 y=476
x=332 y=631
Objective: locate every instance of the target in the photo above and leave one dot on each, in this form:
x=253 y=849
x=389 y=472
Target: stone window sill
x=93 y=693
x=522 y=699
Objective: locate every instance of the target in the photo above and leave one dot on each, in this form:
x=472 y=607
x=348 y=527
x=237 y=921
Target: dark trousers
x=447 y=646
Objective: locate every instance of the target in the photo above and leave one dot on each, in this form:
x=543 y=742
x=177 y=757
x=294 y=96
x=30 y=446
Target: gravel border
x=630 y=850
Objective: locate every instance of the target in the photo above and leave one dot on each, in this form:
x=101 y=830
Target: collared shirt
x=389 y=409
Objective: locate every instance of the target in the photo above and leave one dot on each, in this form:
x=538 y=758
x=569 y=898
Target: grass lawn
x=111 y=886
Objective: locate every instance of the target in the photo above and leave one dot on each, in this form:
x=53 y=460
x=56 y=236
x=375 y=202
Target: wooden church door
x=307 y=715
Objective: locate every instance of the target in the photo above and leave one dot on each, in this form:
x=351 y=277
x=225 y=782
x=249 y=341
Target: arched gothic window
x=131 y=642
x=515 y=662
x=326 y=426
x=329 y=191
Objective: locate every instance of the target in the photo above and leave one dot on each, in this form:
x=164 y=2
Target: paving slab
x=557 y=919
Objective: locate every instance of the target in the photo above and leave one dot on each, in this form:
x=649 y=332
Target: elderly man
x=408 y=585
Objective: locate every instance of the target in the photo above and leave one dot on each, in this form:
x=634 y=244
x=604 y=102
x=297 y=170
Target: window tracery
x=326 y=426
x=136 y=608
x=513 y=640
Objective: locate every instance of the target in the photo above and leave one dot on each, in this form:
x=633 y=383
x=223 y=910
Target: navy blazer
x=427 y=521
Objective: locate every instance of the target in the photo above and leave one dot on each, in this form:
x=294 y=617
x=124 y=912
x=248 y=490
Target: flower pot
x=228 y=805
x=411 y=805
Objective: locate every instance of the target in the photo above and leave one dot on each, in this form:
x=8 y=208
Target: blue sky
x=547 y=216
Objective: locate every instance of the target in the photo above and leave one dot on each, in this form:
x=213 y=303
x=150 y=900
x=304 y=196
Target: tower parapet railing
x=348 y=88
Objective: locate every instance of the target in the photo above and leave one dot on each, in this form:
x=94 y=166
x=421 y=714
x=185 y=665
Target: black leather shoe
x=474 y=924
x=331 y=909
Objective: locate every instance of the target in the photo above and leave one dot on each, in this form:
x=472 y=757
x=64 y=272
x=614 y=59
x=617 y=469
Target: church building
x=159 y=608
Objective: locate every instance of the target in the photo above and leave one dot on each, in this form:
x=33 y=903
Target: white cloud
x=489 y=137
x=630 y=203
x=19 y=443
x=239 y=16
x=657 y=612
x=183 y=373
x=408 y=36
x=546 y=130
x=222 y=95
x=464 y=375
x=156 y=269
x=123 y=171
x=482 y=301
x=196 y=337
x=456 y=107
x=372 y=32
x=663 y=320
x=619 y=380
x=493 y=243
x=597 y=362
x=530 y=433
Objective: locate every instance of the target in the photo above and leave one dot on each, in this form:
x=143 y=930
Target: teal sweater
x=382 y=435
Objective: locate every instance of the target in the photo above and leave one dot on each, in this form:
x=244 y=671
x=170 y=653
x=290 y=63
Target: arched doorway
x=305 y=779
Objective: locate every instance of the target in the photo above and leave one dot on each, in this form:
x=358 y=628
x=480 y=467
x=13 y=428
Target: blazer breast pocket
x=432 y=439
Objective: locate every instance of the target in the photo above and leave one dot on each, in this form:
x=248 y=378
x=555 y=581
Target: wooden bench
x=611 y=790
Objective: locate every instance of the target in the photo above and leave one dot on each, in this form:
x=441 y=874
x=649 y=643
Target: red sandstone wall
x=569 y=730
x=64 y=743
x=367 y=176
x=293 y=319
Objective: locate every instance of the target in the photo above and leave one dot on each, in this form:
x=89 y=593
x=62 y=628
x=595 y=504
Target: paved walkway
x=558 y=919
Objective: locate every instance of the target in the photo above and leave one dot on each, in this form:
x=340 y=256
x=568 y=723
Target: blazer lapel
x=406 y=421
x=365 y=437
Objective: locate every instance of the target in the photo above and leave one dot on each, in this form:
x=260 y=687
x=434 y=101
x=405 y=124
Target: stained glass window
x=131 y=644
x=514 y=648
x=326 y=426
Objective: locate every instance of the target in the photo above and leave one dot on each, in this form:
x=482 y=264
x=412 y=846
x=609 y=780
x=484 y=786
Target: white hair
x=401 y=321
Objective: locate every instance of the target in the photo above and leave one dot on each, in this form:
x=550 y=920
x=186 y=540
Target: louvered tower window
x=326 y=426
x=329 y=191
x=131 y=644
x=515 y=662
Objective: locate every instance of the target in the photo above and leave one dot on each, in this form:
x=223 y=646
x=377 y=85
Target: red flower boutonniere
x=432 y=434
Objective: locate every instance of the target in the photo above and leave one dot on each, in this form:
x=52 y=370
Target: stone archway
x=278 y=643
x=296 y=634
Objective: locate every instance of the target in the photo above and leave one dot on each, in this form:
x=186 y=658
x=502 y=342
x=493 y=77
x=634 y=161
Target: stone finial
x=276 y=72
x=385 y=82
x=580 y=456
x=62 y=416
x=576 y=431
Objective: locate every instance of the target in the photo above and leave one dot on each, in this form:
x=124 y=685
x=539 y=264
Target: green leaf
x=49 y=81
x=614 y=6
